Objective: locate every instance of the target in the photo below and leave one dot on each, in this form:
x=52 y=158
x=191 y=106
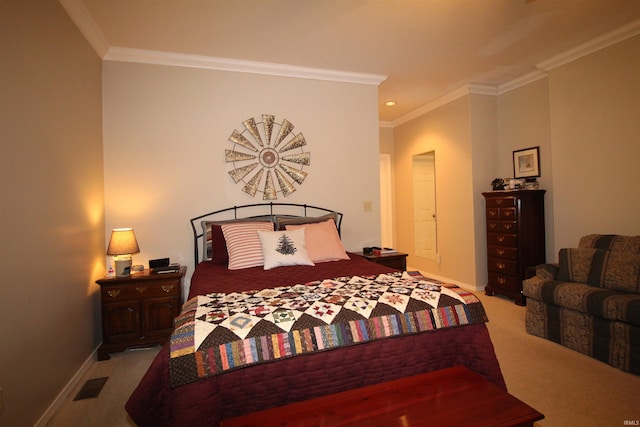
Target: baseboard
x=66 y=391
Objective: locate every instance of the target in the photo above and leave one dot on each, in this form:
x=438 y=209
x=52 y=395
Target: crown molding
x=616 y=36
x=478 y=89
x=521 y=81
x=625 y=32
x=240 y=66
x=83 y=20
x=436 y=103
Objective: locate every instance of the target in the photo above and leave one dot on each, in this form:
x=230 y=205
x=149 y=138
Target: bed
x=218 y=364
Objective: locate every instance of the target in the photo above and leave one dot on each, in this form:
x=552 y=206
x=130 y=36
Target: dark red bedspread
x=210 y=277
x=205 y=403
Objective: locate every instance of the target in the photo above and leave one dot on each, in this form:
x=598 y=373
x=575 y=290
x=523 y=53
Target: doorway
x=424 y=205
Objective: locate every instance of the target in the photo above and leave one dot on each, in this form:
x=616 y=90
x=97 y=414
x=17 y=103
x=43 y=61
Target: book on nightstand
x=383 y=251
x=171 y=268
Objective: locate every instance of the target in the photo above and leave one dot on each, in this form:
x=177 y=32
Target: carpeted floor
x=570 y=389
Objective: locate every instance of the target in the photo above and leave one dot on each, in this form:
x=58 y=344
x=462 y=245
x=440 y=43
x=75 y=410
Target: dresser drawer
x=508 y=213
x=141 y=289
x=502 y=252
x=503 y=266
x=509 y=227
x=510 y=284
x=502 y=213
x=502 y=239
x=501 y=202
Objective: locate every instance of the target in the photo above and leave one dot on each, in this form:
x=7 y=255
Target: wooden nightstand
x=397 y=260
x=138 y=310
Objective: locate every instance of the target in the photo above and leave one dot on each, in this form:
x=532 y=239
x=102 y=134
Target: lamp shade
x=123 y=242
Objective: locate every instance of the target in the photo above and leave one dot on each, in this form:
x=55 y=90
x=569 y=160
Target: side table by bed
x=138 y=310
x=397 y=260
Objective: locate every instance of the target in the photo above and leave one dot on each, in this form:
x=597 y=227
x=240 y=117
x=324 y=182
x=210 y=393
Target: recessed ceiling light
x=390 y=103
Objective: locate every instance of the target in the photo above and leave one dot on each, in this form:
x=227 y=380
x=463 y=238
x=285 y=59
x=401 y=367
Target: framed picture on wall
x=526 y=163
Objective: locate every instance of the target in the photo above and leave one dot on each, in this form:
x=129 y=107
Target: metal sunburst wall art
x=259 y=160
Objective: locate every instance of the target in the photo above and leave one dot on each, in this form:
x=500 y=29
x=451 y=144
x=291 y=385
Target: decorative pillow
x=214 y=247
x=282 y=248
x=282 y=220
x=243 y=243
x=322 y=241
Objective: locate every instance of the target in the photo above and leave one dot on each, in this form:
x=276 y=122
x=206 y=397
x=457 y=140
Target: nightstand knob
x=167 y=288
x=113 y=292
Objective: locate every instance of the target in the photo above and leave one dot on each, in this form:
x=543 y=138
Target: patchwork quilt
x=219 y=332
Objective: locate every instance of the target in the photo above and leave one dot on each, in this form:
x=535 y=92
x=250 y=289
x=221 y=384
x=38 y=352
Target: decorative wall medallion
x=259 y=160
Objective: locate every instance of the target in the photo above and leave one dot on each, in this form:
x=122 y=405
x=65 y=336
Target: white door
x=424 y=205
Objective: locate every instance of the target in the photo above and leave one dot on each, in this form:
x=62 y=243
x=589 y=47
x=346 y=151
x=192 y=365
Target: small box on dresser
x=515 y=239
x=138 y=310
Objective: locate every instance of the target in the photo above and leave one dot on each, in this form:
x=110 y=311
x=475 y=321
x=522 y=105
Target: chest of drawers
x=515 y=239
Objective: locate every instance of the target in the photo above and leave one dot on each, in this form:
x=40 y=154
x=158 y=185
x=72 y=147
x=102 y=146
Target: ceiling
x=420 y=50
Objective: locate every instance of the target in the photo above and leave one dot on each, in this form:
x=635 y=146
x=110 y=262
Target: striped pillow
x=243 y=243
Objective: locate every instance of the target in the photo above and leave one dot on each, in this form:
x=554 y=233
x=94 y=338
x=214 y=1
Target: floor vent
x=91 y=388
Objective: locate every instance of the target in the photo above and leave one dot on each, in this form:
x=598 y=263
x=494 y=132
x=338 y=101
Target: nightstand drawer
x=142 y=289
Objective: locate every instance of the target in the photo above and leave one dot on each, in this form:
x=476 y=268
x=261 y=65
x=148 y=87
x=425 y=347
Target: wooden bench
x=448 y=397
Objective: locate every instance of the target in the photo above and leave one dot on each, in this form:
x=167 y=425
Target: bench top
x=453 y=396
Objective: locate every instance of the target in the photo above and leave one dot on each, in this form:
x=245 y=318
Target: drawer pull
x=141 y=289
x=499 y=201
x=502 y=280
x=492 y=226
x=113 y=292
x=507 y=226
x=167 y=288
x=501 y=265
x=500 y=251
x=500 y=239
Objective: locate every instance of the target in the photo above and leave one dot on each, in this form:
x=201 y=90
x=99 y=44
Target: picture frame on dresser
x=526 y=163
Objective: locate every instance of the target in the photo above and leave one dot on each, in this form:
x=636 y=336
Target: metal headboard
x=255 y=210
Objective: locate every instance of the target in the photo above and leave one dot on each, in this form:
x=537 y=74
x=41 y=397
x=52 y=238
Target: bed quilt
x=219 y=332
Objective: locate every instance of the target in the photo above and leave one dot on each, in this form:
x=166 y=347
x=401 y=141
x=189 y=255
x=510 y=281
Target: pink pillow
x=323 y=241
x=243 y=243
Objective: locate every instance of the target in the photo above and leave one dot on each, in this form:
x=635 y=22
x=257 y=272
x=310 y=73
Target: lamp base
x=123 y=266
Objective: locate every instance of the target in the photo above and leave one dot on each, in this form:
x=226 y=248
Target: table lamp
x=122 y=244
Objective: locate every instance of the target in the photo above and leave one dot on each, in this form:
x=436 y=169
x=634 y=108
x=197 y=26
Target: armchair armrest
x=547 y=272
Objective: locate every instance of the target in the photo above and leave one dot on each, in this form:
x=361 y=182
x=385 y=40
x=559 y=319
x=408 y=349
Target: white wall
x=166 y=129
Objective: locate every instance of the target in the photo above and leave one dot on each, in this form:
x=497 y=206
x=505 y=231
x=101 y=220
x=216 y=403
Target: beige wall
x=166 y=129
x=523 y=117
x=595 y=143
x=447 y=131
x=51 y=205
x=584 y=118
